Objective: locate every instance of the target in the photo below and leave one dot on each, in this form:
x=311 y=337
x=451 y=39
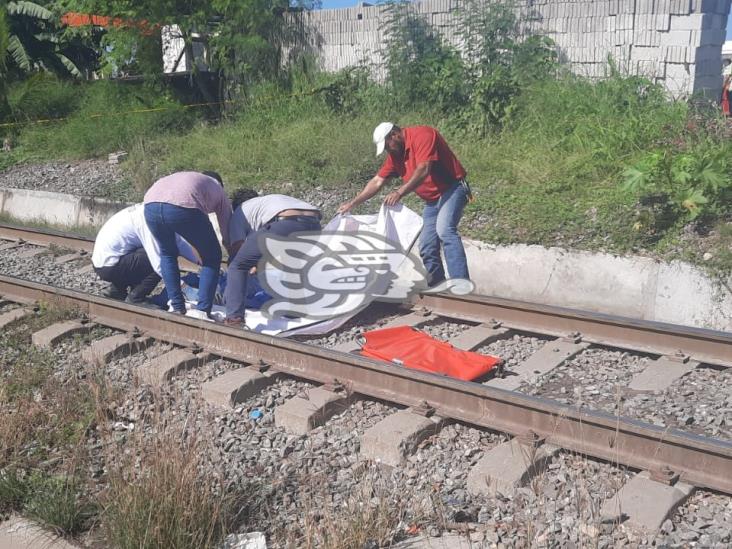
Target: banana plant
x=34 y=41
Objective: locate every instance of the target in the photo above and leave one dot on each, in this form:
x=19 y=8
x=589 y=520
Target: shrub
x=58 y=503
x=43 y=96
x=477 y=83
x=422 y=67
x=159 y=496
x=688 y=183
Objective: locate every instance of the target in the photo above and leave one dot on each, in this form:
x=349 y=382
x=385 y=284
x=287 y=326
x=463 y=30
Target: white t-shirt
x=127 y=231
x=253 y=214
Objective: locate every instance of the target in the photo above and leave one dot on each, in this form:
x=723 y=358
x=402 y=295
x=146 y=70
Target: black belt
x=303 y=218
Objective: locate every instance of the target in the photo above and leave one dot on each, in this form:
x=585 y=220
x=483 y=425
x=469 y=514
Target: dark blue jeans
x=441 y=218
x=249 y=255
x=165 y=221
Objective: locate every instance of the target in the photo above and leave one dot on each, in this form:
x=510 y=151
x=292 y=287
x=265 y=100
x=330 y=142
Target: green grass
x=68 y=121
x=551 y=176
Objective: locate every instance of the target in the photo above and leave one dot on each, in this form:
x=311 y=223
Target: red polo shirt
x=425 y=144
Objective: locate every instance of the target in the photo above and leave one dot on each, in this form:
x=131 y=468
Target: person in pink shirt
x=179 y=204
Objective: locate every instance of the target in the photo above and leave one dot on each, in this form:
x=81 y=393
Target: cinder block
x=300 y=415
x=507 y=467
x=113 y=347
x=161 y=369
x=53 y=334
x=396 y=436
x=235 y=386
x=693 y=21
x=645 y=503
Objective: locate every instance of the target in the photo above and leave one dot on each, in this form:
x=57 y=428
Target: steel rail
x=46 y=237
x=701 y=461
x=708 y=346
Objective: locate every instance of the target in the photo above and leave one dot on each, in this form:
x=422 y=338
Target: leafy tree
x=4 y=40
x=247 y=40
x=477 y=82
x=36 y=43
x=421 y=66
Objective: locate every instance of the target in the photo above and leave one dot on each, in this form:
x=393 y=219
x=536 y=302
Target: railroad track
x=670 y=457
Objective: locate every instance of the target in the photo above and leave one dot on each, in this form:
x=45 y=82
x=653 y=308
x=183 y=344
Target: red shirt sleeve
x=424 y=146
x=389 y=168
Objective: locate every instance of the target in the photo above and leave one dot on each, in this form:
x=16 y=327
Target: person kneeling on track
x=253 y=215
x=128 y=257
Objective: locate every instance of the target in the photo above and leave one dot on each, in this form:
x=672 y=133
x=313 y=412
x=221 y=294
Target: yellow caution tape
x=159 y=109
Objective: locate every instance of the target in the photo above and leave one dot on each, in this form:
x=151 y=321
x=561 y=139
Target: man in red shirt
x=427 y=166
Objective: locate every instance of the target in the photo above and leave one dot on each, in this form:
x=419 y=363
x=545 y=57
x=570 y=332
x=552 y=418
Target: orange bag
x=411 y=348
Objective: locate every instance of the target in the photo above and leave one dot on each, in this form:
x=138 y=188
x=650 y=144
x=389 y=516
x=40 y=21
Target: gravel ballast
x=560 y=508
x=429 y=492
x=94 y=178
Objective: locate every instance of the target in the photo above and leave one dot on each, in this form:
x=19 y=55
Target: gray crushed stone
x=700 y=402
x=514 y=348
x=95 y=178
x=305 y=478
x=371 y=318
x=42 y=268
x=444 y=330
x=559 y=508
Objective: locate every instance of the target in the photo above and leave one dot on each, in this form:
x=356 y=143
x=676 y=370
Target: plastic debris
x=256 y=414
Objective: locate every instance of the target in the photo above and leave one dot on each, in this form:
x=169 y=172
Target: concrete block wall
x=675 y=42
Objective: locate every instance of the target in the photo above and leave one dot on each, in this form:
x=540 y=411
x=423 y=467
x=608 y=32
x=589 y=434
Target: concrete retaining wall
x=636 y=287
x=633 y=286
x=676 y=42
x=56 y=208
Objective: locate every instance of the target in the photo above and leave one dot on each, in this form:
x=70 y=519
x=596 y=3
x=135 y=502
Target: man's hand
x=392 y=198
x=345 y=207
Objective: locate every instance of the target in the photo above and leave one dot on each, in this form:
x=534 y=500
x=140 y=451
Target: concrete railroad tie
x=645 y=503
x=397 y=436
x=113 y=347
x=236 y=386
x=507 y=467
x=11 y=316
x=51 y=335
x=163 y=368
x=300 y=415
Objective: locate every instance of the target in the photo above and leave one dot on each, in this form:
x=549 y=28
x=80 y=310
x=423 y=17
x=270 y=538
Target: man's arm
x=371 y=188
x=418 y=176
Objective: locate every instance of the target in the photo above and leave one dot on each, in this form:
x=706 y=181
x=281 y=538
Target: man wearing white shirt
x=128 y=257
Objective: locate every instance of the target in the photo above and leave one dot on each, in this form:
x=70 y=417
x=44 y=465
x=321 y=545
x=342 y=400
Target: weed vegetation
x=555 y=159
x=65 y=467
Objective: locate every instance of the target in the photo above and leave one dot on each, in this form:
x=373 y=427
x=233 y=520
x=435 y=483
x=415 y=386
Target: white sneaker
x=200 y=315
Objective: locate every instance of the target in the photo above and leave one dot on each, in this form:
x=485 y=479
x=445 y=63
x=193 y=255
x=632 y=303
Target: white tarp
x=398 y=224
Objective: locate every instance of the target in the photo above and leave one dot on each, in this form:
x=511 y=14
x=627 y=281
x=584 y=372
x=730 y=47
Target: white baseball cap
x=380 y=133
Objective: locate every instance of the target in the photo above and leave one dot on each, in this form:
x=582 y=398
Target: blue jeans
x=165 y=221
x=249 y=255
x=440 y=220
